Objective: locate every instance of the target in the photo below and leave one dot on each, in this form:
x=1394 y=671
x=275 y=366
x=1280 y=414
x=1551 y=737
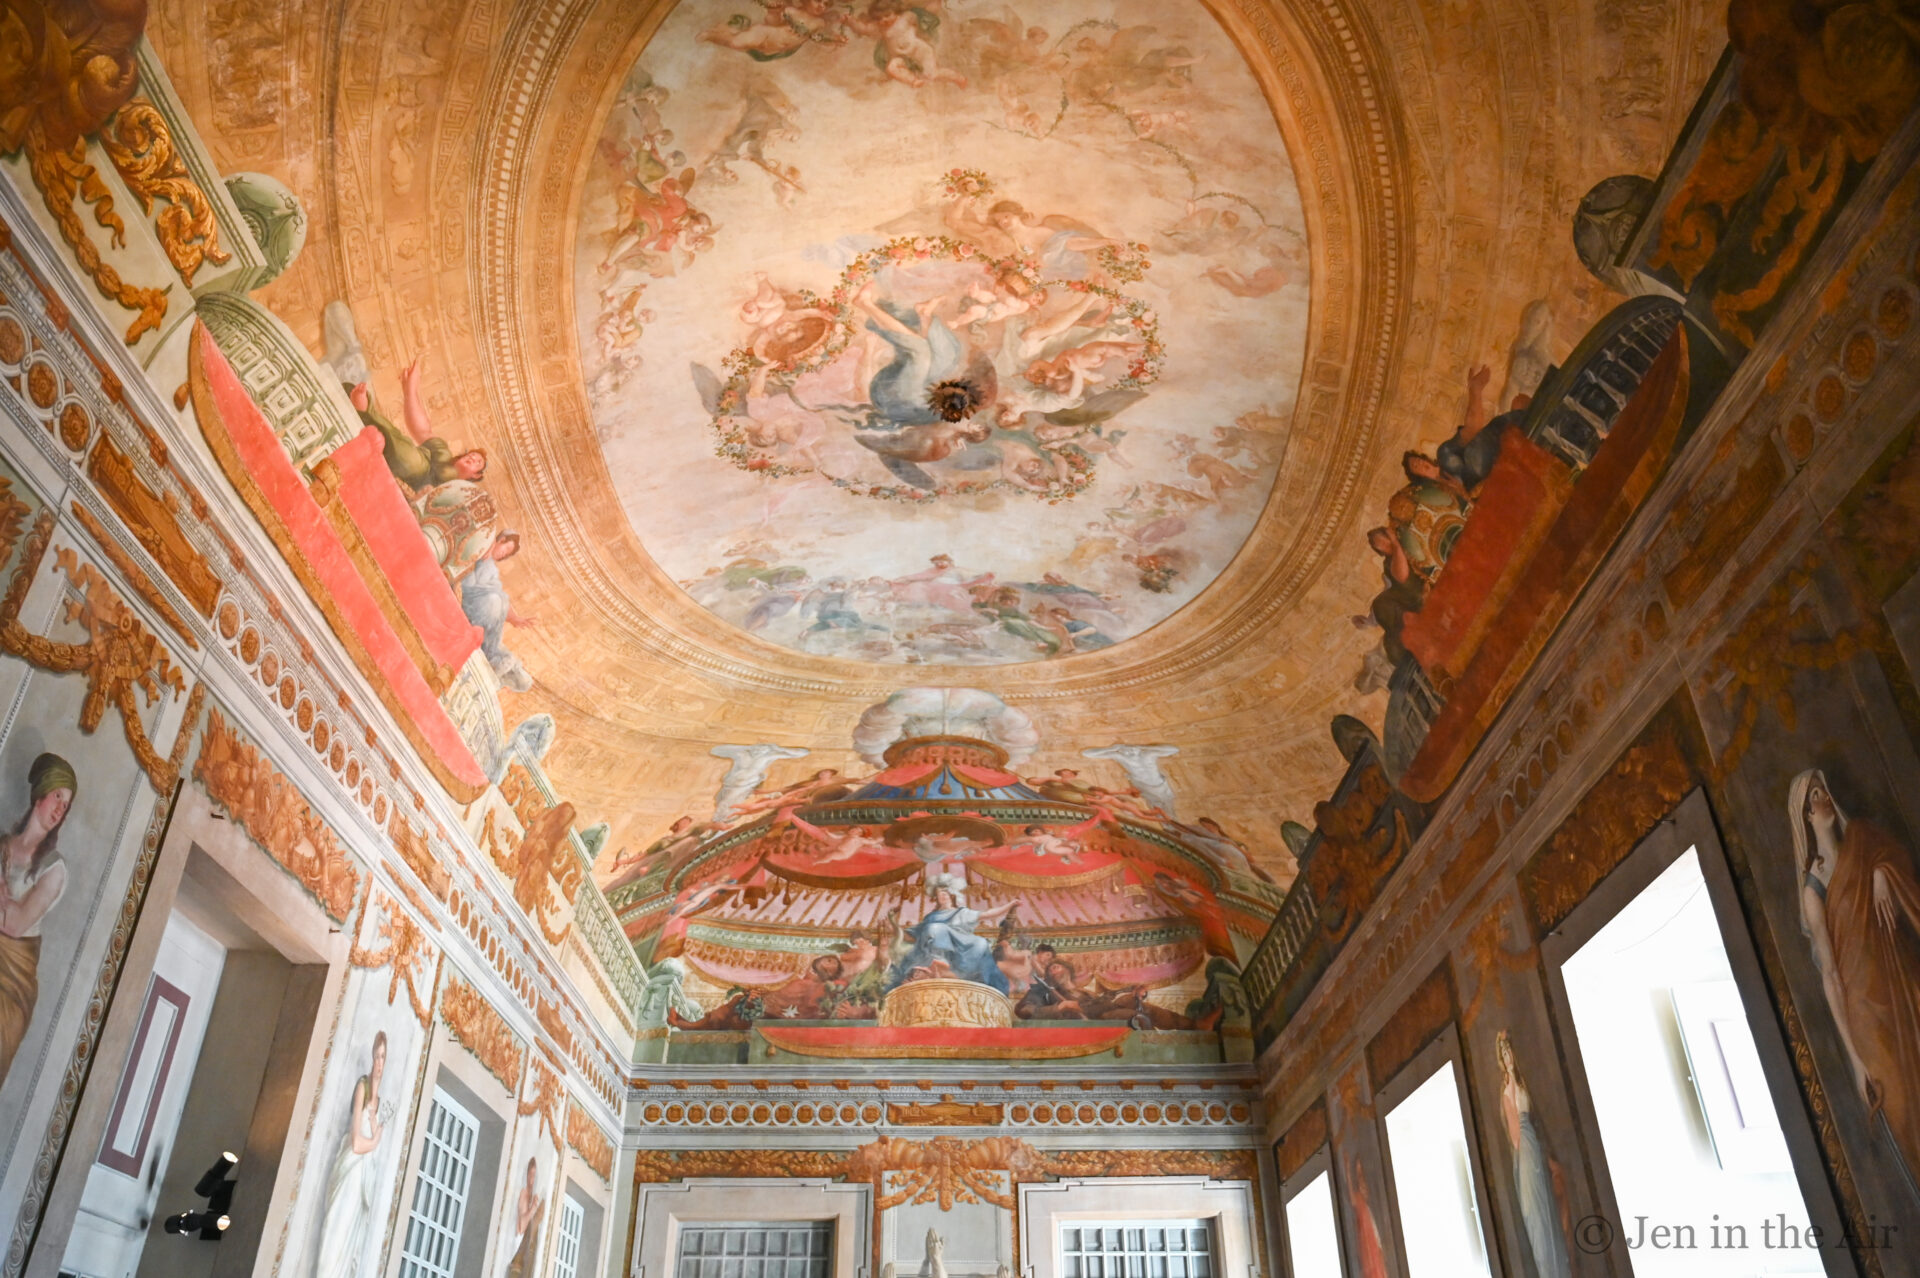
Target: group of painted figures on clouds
x=976 y=346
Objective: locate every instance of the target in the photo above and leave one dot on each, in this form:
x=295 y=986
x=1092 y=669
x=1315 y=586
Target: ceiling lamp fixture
x=213 y=1186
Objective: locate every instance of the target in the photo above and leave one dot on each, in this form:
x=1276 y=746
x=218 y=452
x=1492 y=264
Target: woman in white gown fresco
x=347 y=1222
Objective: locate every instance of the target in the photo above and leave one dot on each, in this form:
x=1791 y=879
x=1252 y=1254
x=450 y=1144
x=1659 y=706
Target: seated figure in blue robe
x=945 y=934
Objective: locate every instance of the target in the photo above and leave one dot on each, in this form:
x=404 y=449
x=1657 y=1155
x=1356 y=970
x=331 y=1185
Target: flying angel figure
x=750 y=764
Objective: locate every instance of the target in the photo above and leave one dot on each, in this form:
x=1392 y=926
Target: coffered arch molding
x=1321 y=69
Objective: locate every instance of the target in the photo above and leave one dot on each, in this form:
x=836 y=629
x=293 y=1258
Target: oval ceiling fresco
x=941 y=335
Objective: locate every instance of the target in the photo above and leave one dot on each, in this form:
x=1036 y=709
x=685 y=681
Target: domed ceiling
x=469 y=168
x=805 y=224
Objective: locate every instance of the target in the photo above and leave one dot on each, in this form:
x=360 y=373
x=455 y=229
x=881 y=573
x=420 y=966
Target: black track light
x=211 y=1178
x=209 y=1225
x=213 y=1186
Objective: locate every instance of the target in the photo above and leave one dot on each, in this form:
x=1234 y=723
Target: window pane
x=566 y=1254
x=1686 y=1120
x=783 y=1249
x=439 y=1202
x=1136 y=1249
x=1433 y=1182
x=1313 y=1232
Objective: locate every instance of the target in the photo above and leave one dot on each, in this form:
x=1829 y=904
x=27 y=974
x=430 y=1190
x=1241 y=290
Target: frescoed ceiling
x=729 y=537
x=791 y=234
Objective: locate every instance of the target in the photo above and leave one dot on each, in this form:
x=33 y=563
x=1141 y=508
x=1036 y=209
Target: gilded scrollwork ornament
x=124 y=663
x=142 y=150
x=405 y=951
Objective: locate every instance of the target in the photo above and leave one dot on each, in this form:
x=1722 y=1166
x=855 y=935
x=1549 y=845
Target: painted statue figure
x=1860 y=911
x=524 y=1261
x=1142 y=766
x=34 y=880
x=1533 y=1181
x=945 y=935
x=418 y=457
x=748 y=769
x=346 y=1222
x=483 y=597
x=1372 y=1257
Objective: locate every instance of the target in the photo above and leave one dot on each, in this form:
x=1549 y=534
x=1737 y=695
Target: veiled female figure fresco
x=348 y=1221
x=1533 y=1169
x=1372 y=1260
x=35 y=879
x=1860 y=910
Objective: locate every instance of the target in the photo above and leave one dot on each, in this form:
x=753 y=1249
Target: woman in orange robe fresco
x=1373 y=1261
x=1860 y=909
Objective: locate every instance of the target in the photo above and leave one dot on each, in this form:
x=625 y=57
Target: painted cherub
x=1069 y=375
x=793 y=796
x=856 y=840
x=909 y=55
x=781 y=30
x=1258 y=433
x=1065 y=844
x=1220 y=476
x=1009 y=44
x=1010 y=293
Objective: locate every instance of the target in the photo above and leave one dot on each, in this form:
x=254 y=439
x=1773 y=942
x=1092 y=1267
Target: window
x=1313 y=1232
x=1137 y=1249
x=440 y=1191
x=566 y=1251
x=782 y=1249
x=1693 y=1142
x=1433 y=1181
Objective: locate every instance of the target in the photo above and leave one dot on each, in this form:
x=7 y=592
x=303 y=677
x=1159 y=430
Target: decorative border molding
x=271 y=809
x=1041 y=1107
x=480 y=1029
x=406 y=944
x=585 y=1138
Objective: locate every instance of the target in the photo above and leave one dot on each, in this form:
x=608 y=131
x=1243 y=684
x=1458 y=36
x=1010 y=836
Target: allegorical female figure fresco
x=1532 y=1169
x=347 y=1221
x=1372 y=1259
x=34 y=880
x=524 y=1262
x=945 y=935
x=1860 y=909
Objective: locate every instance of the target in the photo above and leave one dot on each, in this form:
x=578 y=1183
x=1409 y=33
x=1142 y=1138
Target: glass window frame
x=1317 y=1163
x=1689 y=826
x=1443 y=1050
x=1099 y=1262
x=434 y=1148
x=746 y=1250
x=571 y=1233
